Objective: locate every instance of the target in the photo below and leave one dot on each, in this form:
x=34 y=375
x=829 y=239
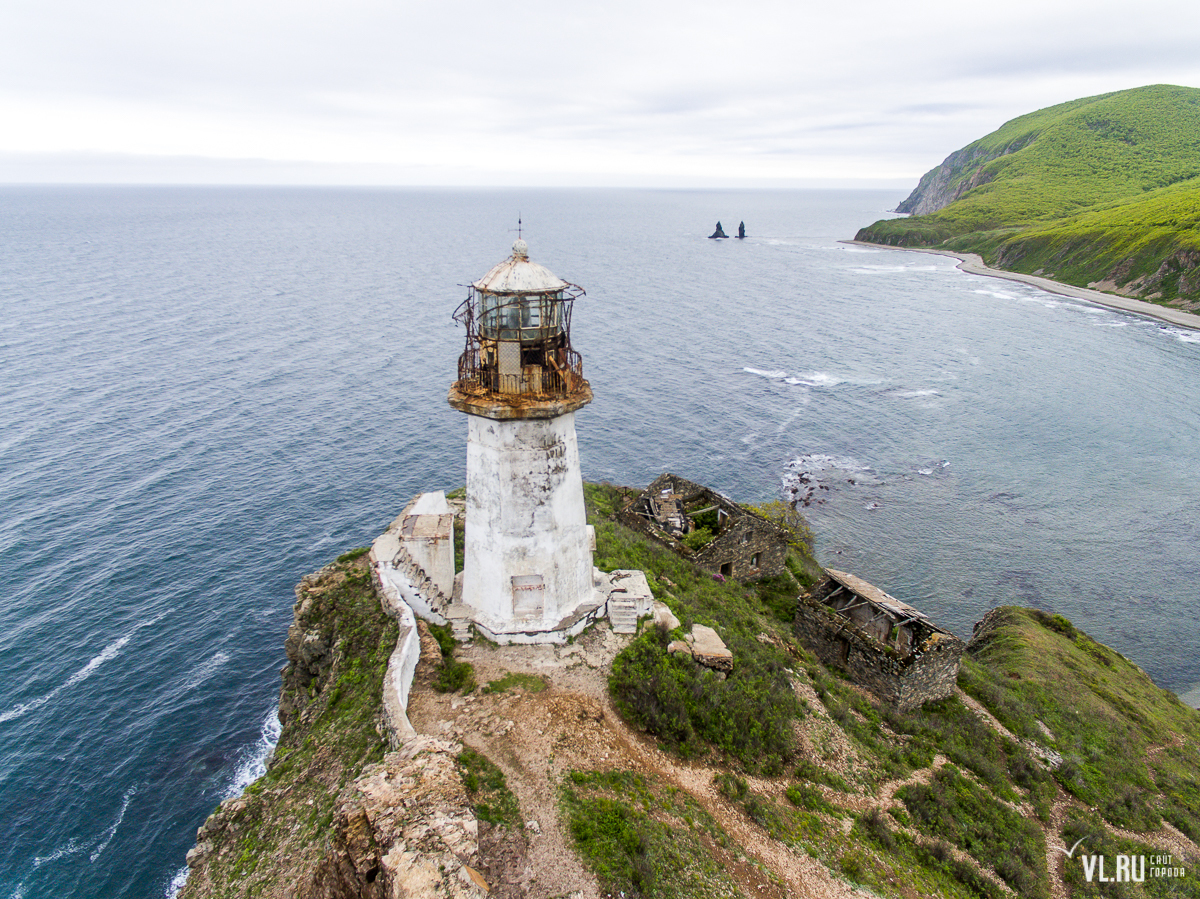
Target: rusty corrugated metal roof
x=873 y=594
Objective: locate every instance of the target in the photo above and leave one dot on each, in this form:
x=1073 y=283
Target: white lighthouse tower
x=527 y=573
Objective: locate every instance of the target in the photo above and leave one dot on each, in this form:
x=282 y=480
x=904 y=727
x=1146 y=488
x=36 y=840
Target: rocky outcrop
x=404 y=828
x=961 y=171
x=720 y=232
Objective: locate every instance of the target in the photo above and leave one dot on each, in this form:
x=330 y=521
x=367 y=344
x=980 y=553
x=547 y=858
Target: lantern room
x=518 y=321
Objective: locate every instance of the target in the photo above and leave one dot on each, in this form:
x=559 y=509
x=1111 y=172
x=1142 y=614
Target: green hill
x=1103 y=191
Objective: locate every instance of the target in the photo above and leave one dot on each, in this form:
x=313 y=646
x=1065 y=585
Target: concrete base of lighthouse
x=527 y=574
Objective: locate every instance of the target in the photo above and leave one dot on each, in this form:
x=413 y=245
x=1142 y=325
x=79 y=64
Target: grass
x=746 y=716
x=452 y=676
x=690 y=708
x=1098 y=187
x=954 y=808
x=491 y=798
x=1104 y=715
x=643 y=839
x=1097 y=840
x=530 y=683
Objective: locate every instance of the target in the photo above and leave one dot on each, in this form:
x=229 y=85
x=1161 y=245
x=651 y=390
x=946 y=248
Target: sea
x=206 y=393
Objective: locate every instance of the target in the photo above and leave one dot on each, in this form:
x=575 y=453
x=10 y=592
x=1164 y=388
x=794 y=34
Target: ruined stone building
x=744 y=544
x=880 y=642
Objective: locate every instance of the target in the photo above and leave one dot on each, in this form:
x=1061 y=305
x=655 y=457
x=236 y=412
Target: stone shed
x=880 y=642
x=744 y=544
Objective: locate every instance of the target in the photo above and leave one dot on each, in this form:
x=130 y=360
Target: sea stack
x=720 y=232
x=527 y=574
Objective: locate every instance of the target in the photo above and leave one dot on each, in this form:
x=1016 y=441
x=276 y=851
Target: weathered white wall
x=402 y=663
x=525 y=516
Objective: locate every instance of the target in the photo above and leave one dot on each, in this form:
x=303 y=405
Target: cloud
x=703 y=89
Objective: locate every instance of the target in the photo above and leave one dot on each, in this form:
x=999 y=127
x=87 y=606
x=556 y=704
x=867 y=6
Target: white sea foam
x=814 y=463
x=253 y=759
x=908 y=394
x=1183 y=335
x=773 y=375
x=111 y=651
x=94 y=847
x=107 y=836
x=176 y=883
x=70 y=847
x=816 y=379
x=999 y=294
x=204 y=671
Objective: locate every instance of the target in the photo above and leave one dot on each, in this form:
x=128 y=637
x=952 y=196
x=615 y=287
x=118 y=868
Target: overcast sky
x=621 y=93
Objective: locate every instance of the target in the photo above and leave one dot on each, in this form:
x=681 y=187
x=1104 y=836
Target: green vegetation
x=697 y=539
x=956 y=809
x=1097 y=840
x=1102 y=188
x=491 y=798
x=1129 y=748
x=530 y=683
x=747 y=716
x=646 y=840
x=453 y=676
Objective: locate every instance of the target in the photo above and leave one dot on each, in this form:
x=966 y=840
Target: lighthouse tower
x=527 y=574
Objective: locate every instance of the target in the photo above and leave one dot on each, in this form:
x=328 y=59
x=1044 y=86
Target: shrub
x=748 y=715
x=697 y=539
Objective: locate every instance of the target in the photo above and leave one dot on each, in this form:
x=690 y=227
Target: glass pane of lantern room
x=531 y=312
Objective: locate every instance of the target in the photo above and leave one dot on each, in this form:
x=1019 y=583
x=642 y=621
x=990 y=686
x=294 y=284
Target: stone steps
x=623 y=615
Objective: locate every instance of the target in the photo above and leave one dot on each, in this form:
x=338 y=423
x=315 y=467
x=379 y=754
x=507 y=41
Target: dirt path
x=536 y=738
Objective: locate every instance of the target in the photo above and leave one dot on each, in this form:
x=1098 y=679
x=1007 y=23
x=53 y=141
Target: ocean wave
x=253 y=759
x=890 y=269
x=204 y=671
x=1183 y=335
x=177 y=881
x=94 y=847
x=772 y=375
x=110 y=652
x=1000 y=294
x=815 y=463
x=909 y=394
x=71 y=847
x=107 y=836
x=828 y=379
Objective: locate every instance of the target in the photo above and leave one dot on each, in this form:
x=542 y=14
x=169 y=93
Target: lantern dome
x=516 y=275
